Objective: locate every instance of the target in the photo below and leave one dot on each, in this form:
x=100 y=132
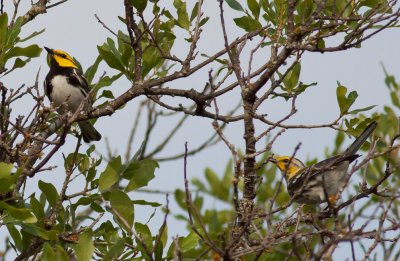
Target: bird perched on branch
x=66 y=87
x=313 y=184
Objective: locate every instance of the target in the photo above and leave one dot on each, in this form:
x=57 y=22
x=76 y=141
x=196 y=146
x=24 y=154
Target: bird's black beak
x=50 y=51
x=273 y=160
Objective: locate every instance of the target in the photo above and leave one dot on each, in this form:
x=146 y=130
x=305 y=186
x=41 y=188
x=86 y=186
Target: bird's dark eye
x=63 y=55
x=286 y=160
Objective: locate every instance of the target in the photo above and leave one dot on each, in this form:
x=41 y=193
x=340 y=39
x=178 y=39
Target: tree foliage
x=92 y=215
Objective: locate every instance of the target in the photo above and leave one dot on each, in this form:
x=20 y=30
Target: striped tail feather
x=89 y=133
x=353 y=148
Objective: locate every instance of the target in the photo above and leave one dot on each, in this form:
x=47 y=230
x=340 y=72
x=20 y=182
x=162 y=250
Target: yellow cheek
x=64 y=62
x=291 y=172
x=288 y=171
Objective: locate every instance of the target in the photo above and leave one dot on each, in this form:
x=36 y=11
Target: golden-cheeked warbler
x=313 y=184
x=66 y=88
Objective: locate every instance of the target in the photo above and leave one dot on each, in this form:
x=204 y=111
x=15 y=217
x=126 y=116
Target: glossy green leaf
x=110 y=175
x=235 y=5
x=139 y=5
x=139 y=173
x=85 y=247
x=122 y=204
x=50 y=192
x=247 y=23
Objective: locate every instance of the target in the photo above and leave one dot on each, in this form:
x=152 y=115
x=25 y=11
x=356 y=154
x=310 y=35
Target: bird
x=320 y=182
x=67 y=88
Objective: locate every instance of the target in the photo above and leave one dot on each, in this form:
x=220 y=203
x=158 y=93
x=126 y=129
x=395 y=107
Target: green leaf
x=186 y=244
x=34 y=34
x=123 y=205
x=107 y=94
x=37 y=208
x=111 y=58
x=5 y=169
x=338 y=141
x=395 y=99
x=16 y=236
x=110 y=176
x=247 y=23
x=362 y=109
x=180 y=198
x=183 y=17
x=321 y=44
x=107 y=81
x=234 y=5
x=115 y=250
x=145 y=235
x=39 y=232
x=302 y=87
x=146 y=203
x=50 y=254
x=18 y=63
x=343 y=101
x=3 y=28
x=254 y=8
x=189 y=242
x=151 y=58
x=30 y=51
x=217 y=188
x=7 y=179
x=140 y=5
x=195 y=11
x=139 y=173
x=292 y=77
x=85 y=247
x=96 y=207
x=91 y=71
x=50 y=192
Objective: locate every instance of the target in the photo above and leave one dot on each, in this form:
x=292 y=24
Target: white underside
x=65 y=93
